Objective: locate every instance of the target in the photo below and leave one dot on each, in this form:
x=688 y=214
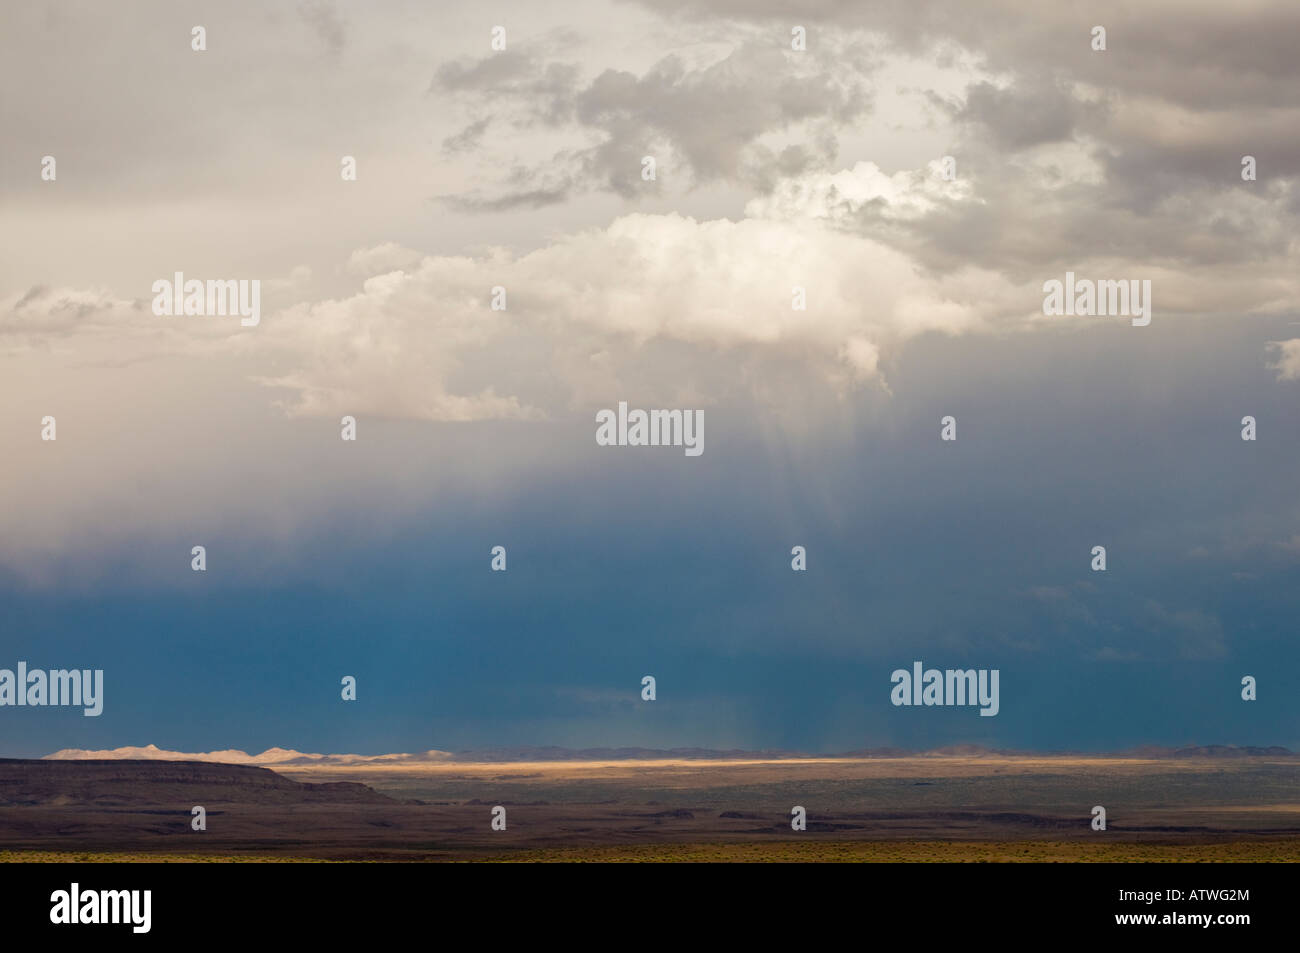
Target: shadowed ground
x=888 y=809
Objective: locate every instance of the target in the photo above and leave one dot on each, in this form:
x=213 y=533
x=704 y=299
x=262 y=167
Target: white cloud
x=839 y=198
x=382 y=259
x=1287 y=364
x=424 y=343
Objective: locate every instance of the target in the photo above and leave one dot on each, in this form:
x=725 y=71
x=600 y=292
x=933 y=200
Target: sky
x=523 y=168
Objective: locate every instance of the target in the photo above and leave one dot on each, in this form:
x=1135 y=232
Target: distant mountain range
x=287 y=756
x=284 y=756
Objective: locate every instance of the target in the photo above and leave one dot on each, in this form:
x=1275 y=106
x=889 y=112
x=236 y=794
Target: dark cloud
x=323 y=17
x=710 y=119
x=532 y=198
x=714 y=115
x=35 y=293
x=1024 y=115
x=1202 y=54
x=513 y=76
x=468 y=138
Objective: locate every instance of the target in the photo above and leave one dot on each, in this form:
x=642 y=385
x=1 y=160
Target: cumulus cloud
x=586 y=311
x=423 y=341
x=1135 y=150
x=848 y=197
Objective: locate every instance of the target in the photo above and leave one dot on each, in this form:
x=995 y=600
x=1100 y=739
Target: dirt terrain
x=906 y=808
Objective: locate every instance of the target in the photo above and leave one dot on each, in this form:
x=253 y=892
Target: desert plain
x=933 y=807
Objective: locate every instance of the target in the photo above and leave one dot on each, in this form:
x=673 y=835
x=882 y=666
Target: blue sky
x=644 y=561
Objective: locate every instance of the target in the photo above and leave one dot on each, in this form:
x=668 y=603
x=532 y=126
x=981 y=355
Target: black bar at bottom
x=656 y=903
